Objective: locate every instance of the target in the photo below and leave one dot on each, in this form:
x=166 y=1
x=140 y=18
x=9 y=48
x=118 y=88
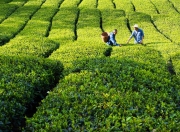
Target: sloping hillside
x=58 y=75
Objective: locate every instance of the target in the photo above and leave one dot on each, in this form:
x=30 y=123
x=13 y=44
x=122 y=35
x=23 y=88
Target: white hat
x=135 y=25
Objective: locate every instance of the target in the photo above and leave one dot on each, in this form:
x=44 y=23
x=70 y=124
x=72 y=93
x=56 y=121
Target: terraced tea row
x=154 y=22
x=108 y=93
x=7 y=9
x=23 y=81
x=18 y=20
x=103 y=88
x=97 y=92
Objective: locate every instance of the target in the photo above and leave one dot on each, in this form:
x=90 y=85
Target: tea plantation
x=58 y=75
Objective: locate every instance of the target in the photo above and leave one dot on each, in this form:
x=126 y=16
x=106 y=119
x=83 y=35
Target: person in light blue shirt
x=111 y=39
x=138 y=35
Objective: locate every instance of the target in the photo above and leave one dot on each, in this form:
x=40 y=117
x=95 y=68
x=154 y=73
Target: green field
x=58 y=75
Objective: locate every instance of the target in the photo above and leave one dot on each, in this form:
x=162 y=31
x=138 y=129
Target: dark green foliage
x=23 y=79
x=132 y=91
x=112 y=95
x=108 y=51
x=170 y=67
x=130 y=88
x=5 y=1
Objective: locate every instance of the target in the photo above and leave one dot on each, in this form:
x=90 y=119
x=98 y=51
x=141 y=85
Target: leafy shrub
x=23 y=79
x=110 y=95
x=29 y=46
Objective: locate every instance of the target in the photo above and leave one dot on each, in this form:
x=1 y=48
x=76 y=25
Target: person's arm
x=128 y=40
x=130 y=37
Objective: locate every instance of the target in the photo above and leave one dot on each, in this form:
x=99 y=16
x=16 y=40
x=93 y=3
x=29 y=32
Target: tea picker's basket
x=104 y=36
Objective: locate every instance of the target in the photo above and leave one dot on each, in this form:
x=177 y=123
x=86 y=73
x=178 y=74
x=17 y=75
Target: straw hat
x=135 y=25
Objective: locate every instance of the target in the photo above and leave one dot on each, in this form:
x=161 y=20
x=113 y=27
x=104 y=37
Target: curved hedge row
x=29 y=46
x=8 y=7
x=110 y=94
x=131 y=88
x=6 y=10
x=40 y=23
x=22 y=81
x=17 y=21
x=5 y=1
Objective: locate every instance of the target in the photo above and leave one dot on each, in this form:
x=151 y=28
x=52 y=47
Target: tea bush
x=6 y=10
x=103 y=88
x=23 y=80
x=16 y=22
x=29 y=46
x=110 y=95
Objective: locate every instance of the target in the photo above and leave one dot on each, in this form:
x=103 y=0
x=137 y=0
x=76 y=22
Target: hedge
x=23 y=81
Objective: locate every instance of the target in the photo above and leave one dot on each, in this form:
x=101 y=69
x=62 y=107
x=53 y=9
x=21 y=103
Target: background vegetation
x=57 y=75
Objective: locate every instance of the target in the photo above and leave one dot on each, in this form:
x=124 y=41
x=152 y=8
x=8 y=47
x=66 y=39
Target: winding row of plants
x=64 y=22
x=176 y=4
x=18 y=20
x=128 y=88
x=168 y=16
x=87 y=27
x=6 y=10
x=110 y=94
x=27 y=42
x=151 y=19
x=26 y=76
x=24 y=80
x=106 y=94
x=161 y=20
x=8 y=7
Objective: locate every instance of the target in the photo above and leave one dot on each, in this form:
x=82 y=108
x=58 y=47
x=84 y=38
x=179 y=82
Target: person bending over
x=111 y=38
